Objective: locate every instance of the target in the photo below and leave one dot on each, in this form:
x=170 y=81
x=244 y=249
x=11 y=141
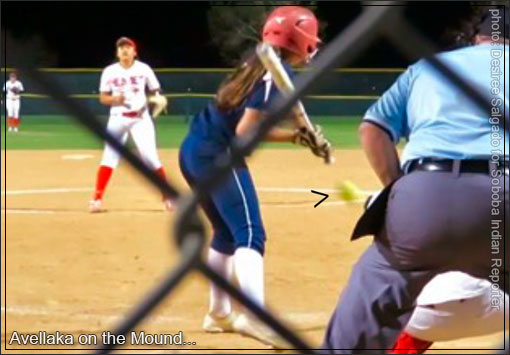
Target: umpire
x=445 y=204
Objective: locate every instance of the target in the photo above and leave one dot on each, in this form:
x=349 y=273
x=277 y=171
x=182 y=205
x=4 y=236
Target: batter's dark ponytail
x=239 y=84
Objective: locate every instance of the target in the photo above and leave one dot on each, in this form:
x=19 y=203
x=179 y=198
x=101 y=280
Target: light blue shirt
x=436 y=118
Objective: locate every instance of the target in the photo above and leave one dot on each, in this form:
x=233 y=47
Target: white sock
x=249 y=269
x=219 y=301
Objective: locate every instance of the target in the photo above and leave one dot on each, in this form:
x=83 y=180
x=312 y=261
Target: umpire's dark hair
x=476 y=20
x=496 y=19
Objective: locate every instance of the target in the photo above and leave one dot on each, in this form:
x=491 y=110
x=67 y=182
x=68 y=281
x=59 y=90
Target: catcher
x=444 y=207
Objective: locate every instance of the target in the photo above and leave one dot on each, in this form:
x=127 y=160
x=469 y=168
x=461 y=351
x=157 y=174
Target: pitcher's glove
x=314 y=140
x=157 y=104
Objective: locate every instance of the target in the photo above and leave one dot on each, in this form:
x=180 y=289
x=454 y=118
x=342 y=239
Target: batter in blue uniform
x=238 y=242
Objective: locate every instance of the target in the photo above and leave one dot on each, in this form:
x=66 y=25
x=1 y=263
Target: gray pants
x=435 y=222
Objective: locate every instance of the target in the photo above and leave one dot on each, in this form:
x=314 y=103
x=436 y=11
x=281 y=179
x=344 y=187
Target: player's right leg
x=144 y=136
x=237 y=203
x=10 y=123
x=237 y=207
x=220 y=316
x=109 y=162
x=10 y=112
x=15 y=114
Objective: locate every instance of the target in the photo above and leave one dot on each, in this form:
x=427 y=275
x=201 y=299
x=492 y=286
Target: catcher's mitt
x=311 y=139
x=157 y=104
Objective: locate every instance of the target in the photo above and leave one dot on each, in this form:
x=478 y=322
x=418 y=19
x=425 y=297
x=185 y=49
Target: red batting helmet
x=294 y=28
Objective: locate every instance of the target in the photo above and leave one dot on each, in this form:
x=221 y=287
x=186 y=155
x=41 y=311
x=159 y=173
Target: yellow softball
x=348 y=191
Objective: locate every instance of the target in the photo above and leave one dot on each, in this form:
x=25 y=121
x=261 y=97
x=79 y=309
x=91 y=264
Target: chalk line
x=26 y=211
x=46 y=191
x=260 y=189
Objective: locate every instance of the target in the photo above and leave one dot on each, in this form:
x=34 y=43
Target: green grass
x=61 y=132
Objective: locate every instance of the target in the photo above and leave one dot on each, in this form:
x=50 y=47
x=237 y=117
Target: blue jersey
x=233 y=207
x=436 y=118
x=217 y=129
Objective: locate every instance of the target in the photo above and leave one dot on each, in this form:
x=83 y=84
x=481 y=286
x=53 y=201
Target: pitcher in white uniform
x=12 y=89
x=124 y=87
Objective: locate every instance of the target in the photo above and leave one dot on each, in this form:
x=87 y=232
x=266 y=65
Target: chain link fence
x=378 y=20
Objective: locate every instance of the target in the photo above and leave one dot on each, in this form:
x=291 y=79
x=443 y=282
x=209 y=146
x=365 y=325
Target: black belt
x=447 y=165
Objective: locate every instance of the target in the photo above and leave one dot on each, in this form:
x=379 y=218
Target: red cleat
x=407 y=344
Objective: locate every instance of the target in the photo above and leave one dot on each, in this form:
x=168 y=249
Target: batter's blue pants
x=232 y=207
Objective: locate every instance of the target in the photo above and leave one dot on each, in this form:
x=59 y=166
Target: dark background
x=172 y=34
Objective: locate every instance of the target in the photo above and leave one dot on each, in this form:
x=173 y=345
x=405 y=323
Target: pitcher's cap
x=125 y=41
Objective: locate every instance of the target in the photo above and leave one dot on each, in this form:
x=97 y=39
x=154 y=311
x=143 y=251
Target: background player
x=436 y=212
x=232 y=208
x=13 y=89
x=123 y=87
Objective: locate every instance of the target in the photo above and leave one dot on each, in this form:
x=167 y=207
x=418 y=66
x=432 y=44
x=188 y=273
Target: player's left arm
x=256 y=108
x=251 y=119
x=18 y=88
x=157 y=102
x=153 y=85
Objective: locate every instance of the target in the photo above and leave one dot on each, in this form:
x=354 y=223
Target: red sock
x=15 y=122
x=162 y=174
x=412 y=344
x=9 y=122
x=103 y=176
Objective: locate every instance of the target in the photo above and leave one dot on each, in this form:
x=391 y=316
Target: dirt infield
x=77 y=273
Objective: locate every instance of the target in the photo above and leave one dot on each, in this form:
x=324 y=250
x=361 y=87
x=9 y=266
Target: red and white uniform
x=133 y=117
x=12 y=91
x=455 y=305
